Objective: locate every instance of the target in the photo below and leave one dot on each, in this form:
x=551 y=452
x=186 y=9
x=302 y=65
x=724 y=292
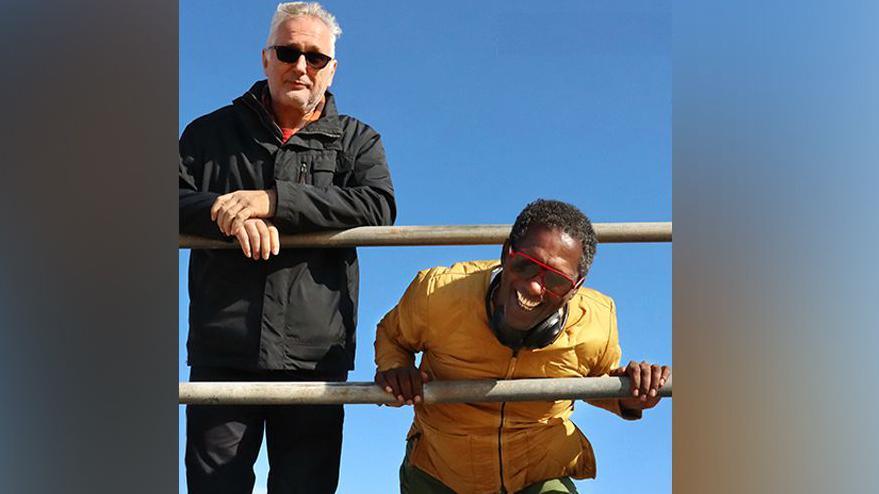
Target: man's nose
x=534 y=286
x=300 y=64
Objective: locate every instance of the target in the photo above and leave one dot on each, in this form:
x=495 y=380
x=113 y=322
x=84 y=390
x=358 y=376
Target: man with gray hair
x=280 y=159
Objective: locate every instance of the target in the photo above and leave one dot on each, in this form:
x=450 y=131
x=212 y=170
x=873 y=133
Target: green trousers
x=413 y=480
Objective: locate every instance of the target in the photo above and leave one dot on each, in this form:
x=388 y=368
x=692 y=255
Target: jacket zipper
x=303 y=169
x=320 y=133
x=500 y=430
x=260 y=111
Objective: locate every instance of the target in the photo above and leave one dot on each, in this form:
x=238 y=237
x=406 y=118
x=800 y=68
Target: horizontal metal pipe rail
x=325 y=393
x=436 y=235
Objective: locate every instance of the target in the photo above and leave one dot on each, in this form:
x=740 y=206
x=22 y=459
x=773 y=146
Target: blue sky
x=483 y=108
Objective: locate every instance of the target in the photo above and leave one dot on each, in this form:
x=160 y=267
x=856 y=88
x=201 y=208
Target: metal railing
x=372 y=236
x=286 y=393
x=324 y=393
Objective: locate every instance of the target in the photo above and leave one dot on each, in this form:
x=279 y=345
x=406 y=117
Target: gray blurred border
x=775 y=177
x=88 y=292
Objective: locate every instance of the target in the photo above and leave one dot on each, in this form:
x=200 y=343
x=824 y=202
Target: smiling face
x=524 y=300
x=297 y=87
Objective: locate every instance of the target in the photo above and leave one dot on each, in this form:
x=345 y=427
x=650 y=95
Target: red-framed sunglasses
x=551 y=279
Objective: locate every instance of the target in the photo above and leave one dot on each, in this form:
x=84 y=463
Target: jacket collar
x=328 y=124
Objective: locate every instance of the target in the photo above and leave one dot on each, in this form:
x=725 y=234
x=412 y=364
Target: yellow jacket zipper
x=500 y=431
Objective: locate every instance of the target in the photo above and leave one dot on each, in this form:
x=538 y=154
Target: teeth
x=526 y=303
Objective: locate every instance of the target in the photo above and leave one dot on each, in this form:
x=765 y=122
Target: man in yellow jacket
x=526 y=317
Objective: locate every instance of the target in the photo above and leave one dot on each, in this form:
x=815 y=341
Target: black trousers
x=304 y=442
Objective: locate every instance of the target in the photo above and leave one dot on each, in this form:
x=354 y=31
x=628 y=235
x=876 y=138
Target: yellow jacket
x=473 y=447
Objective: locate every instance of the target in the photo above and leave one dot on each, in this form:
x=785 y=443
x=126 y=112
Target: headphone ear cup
x=546 y=332
x=494 y=317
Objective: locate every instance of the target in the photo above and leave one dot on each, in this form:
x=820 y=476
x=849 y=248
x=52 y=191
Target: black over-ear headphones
x=541 y=335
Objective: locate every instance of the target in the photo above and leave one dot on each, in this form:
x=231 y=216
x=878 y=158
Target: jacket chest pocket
x=318 y=168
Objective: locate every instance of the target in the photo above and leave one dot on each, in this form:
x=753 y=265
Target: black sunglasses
x=289 y=54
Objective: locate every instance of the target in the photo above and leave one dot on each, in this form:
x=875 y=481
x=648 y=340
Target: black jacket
x=298 y=310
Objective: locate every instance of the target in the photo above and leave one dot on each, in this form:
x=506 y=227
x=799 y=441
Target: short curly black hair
x=562 y=216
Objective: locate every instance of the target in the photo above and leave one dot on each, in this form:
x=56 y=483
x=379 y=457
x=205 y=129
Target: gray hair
x=290 y=10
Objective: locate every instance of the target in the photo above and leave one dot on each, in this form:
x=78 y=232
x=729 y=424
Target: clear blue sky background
x=484 y=107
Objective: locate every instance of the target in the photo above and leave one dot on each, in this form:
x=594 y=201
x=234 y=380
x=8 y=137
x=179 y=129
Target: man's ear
x=573 y=291
x=265 y=61
x=504 y=250
x=332 y=74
